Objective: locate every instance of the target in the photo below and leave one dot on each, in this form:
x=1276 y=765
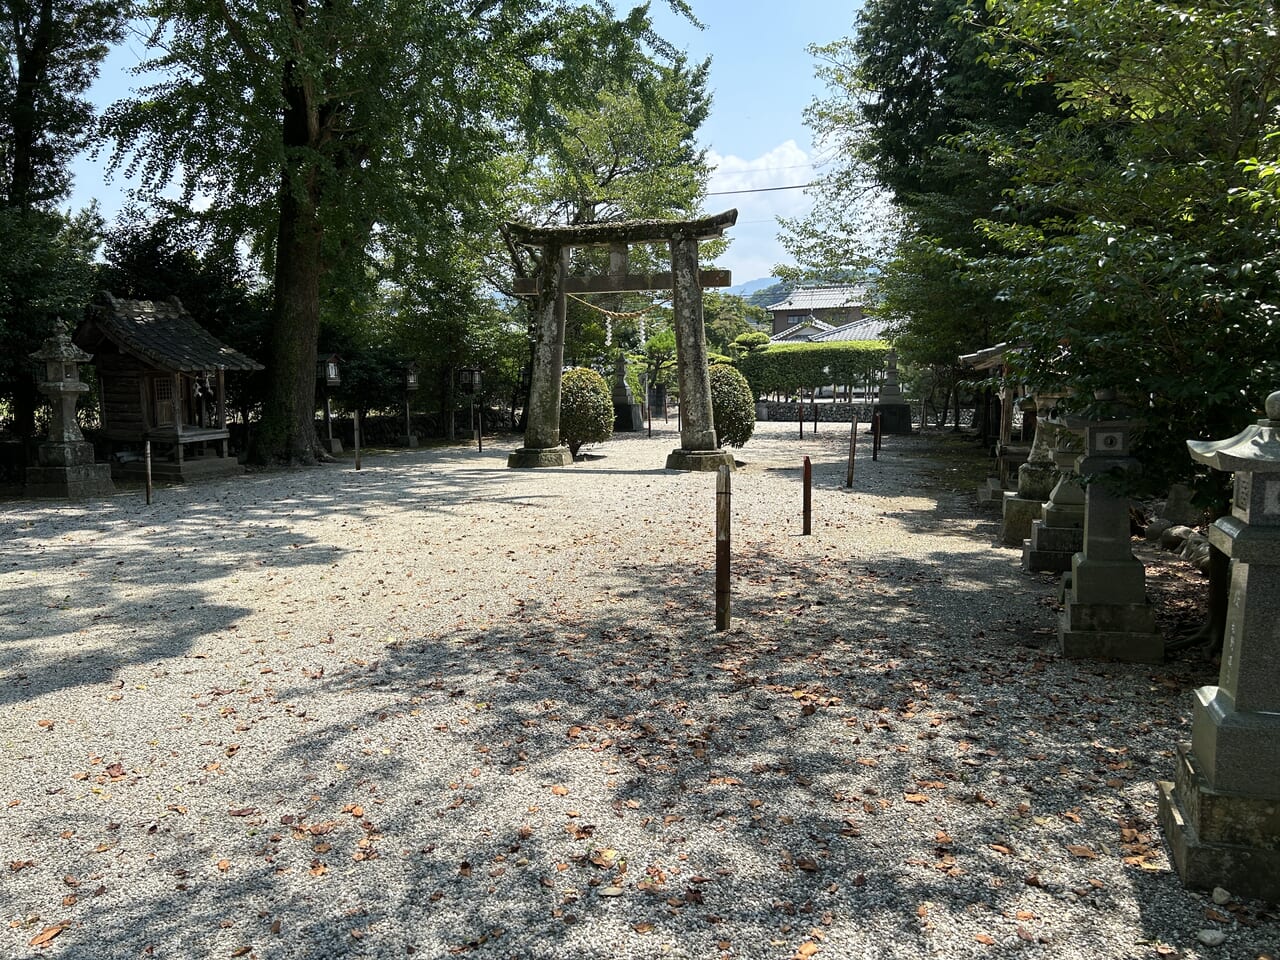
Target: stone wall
x=827 y=412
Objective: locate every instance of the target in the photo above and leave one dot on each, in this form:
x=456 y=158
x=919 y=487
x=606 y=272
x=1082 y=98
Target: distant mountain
x=751 y=286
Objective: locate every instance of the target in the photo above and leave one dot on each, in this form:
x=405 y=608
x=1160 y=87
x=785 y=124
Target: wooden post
x=722 y=547
x=808 y=497
x=800 y=407
x=480 y=429
x=356 y=435
x=813 y=400
x=147 y=458
x=875 y=436
x=853 y=442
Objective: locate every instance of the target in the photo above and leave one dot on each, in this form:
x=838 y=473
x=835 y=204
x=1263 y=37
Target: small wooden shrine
x=162 y=378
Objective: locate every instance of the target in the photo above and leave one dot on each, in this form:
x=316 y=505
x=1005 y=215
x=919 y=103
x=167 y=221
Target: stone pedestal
x=1106 y=615
x=1221 y=812
x=409 y=440
x=1036 y=478
x=628 y=416
x=1059 y=534
x=65 y=467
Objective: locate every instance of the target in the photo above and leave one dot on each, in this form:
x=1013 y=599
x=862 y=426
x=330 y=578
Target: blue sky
x=761 y=78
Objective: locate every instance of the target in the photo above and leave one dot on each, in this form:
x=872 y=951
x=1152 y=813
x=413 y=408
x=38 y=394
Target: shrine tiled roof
x=163 y=333
x=829 y=297
x=868 y=328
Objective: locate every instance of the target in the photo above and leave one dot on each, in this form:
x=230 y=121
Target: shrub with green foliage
x=792 y=365
x=733 y=406
x=586 y=409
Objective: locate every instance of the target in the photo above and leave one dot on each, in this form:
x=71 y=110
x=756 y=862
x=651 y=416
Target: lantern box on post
x=409 y=381
x=328 y=377
x=469 y=383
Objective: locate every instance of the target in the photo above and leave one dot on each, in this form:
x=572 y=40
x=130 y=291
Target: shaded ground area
x=441 y=708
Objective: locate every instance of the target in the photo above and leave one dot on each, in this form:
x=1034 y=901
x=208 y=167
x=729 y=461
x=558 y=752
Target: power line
x=726 y=193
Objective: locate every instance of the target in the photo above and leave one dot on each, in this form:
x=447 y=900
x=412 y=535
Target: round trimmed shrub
x=733 y=406
x=586 y=409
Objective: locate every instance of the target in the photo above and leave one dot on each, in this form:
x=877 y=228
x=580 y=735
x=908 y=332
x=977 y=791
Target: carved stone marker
x=66 y=468
x=1106 y=615
x=1221 y=814
x=628 y=415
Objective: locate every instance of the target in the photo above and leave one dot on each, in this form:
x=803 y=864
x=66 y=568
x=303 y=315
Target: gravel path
x=437 y=707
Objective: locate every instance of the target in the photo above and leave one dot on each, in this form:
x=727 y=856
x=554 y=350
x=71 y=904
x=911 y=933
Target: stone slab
x=164 y=470
x=540 y=457
x=699 y=460
x=1036 y=480
x=65 y=454
x=409 y=440
x=69 y=483
x=1057 y=539
x=991 y=492
x=1125 y=646
x=627 y=417
x=335 y=446
x=1019 y=512
x=1245 y=871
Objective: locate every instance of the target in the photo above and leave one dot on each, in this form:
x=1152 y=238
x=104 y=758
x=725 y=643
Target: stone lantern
x=1105 y=612
x=328 y=376
x=1221 y=813
x=409 y=380
x=65 y=461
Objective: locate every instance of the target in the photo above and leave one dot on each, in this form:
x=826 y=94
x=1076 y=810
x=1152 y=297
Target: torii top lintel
x=632 y=231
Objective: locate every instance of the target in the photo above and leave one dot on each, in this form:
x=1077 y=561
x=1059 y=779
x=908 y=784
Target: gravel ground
x=437 y=707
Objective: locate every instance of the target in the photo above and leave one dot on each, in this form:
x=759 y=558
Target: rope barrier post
x=808 y=497
x=147 y=456
x=875 y=436
x=723 y=494
x=853 y=442
x=356 y=437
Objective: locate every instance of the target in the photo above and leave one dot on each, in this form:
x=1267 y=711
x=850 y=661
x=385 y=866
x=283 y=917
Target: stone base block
x=1019 y=512
x=335 y=446
x=1219 y=839
x=69 y=483
x=702 y=460
x=1051 y=548
x=895 y=418
x=1036 y=480
x=409 y=440
x=543 y=457
x=75 y=454
x=1100 y=631
x=627 y=417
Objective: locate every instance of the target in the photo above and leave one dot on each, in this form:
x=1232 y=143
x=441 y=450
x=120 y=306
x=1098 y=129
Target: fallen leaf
x=224 y=865
x=985 y=938
x=47 y=934
x=915 y=797
x=241 y=951
x=1081 y=851
x=642 y=927
x=806 y=949
x=560 y=791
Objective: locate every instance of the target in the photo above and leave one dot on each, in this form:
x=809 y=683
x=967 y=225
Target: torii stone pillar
x=1221 y=815
x=542 y=446
x=698 y=449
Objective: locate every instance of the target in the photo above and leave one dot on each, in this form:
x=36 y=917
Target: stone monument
x=65 y=461
x=1059 y=534
x=628 y=416
x=1221 y=813
x=1106 y=615
x=1035 y=477
x=895 y=412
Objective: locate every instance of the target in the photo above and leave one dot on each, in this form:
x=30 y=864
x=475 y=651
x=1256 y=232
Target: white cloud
x=755 y=248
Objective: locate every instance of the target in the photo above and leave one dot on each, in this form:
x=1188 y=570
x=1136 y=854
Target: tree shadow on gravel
x=883 y=757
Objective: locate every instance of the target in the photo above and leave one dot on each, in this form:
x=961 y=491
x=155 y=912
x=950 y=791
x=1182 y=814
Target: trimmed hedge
x=733 y=406
x=791 y=365
x=586 y=408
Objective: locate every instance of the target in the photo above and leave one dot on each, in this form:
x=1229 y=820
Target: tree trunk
x=288 y=431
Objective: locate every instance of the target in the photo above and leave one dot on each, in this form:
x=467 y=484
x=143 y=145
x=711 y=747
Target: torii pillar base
x=700 y=460
x=543 y=457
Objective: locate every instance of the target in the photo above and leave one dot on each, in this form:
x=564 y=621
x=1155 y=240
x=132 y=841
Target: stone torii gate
x=698 y=449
